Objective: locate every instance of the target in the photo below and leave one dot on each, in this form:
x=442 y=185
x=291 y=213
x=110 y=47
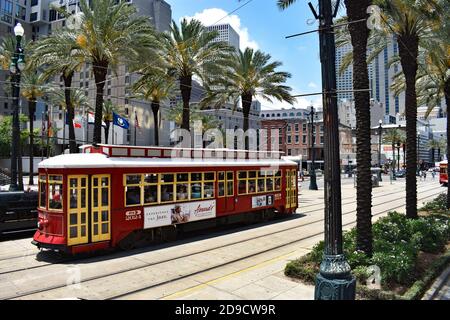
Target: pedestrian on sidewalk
x=433 y=174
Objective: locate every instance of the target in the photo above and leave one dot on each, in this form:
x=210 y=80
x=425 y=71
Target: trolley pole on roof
x=334 y=281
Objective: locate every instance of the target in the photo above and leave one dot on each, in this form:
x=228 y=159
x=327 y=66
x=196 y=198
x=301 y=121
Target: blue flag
x=119 y=121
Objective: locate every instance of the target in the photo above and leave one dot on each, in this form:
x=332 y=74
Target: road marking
x=203 y=285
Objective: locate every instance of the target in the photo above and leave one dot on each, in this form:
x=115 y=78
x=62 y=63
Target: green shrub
x=361 y=274
x=316 y=253
x=396 y=261
x=432 y=233
x=437 y=204
x=302 y=268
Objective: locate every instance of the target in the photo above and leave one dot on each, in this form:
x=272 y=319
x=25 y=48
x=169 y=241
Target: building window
x=304 y=139
x=20 y=12
x=52 y=15
x=33 y=16
x=304 y=127
x=6 y=105
x=289 y=139
x=34 y=3
x=296 y=127
x=321 y=139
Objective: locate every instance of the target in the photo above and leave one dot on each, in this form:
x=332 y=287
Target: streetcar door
x=288 y=188
x=100 y=208
x=225 y=191
x=291 y=188
x=77 y=213
x=229 y=190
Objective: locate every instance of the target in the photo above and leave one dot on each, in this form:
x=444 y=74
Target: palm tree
x=110 y=32
x=190 y=51
x=32 y=90
x=251 y=74
x=359 y=34
x=410 y=21
x=154 y=87
x=57 y=56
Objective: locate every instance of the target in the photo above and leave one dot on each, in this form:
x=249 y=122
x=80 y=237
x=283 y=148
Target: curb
x=436 y=287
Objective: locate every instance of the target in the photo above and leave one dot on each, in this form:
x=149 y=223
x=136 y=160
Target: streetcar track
x=381 y=194
x=236 y=260
x=75 y=259
x=93 y=278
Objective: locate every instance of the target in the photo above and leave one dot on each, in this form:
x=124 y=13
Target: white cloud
x=211 y=16
x=312 y=85
x=301 y=103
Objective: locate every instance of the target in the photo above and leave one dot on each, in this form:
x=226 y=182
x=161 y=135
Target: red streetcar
x=443 y=172
x=110 y=196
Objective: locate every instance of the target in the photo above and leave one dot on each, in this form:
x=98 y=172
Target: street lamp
x=312 y=174
x=380 y=128
x=334 y=281
x=16 y=66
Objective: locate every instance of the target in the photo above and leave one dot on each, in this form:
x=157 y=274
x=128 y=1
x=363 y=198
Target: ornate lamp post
x=380 y=132
x=334 y=281
x=16 y=66
x=312 y=174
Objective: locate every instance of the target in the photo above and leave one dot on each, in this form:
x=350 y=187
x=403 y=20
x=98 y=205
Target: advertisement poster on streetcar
x=159 y=216
x=262 y=201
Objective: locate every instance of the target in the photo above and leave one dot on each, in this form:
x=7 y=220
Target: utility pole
x=334 y=281
x=312 y=174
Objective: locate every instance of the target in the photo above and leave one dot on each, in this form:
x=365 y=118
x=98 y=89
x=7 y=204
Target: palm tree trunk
x=356 y=10
x=107 y=124
x=70 y=111
x=185 y=88
x=31 y=112
x=246 y=105
x=393 y=157
x=432 y=155
x=408 y=50
x=447 y=102
x=100 y=70
x=155 y=110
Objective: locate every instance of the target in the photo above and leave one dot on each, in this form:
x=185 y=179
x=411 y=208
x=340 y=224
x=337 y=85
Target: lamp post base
x=335 y=282
x=313 y=182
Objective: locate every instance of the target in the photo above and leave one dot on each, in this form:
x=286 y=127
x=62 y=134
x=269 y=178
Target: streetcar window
x=221 y=184
x=132 y=189
x=196 y=177
x=133 y=195
x=196 y=190
x=277 y=184
x=42 y=191
x=182 y=191
x=167 y=177
x=182 y=177
x=133 y=179
x=55 y=196
x=150 y=194
x=242 y=187
x=209 y=176
x=251 y=186
x=166 y=192
x=230 y=183
x=208 y=190
x=261 y=185
x=151 y=178
x=269 y=184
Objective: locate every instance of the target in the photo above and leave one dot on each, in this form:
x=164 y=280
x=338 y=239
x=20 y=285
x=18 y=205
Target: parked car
x=401 y=173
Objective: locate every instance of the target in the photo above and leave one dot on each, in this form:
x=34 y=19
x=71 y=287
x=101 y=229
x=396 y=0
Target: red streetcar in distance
x=443 y=172
x=114 y=196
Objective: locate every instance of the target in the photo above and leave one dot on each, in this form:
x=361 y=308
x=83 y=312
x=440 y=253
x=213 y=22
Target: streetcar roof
x=98 y=160
x=443 y=162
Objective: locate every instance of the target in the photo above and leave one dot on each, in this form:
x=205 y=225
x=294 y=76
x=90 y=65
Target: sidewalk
x=440 y=289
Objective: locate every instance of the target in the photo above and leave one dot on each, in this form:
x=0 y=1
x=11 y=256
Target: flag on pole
x=43 y=125
x=91 y=119
x=136 y=121
x=119 y=121
x=76 y=124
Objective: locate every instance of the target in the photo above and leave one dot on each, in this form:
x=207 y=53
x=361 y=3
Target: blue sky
x=262 y=25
